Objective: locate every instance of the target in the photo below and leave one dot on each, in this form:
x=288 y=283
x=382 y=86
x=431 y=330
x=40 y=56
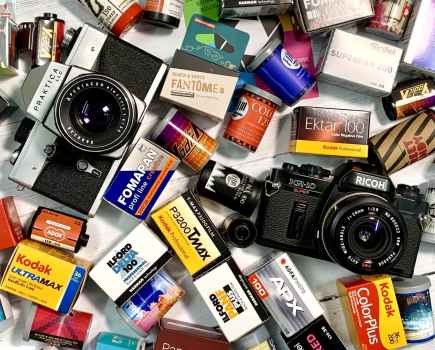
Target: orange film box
x=11 y=232
x=372 y=312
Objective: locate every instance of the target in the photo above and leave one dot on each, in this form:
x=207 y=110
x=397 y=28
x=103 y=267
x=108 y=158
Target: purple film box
x=419 y=53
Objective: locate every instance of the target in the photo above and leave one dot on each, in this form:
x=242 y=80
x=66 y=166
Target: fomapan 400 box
x=44 y=275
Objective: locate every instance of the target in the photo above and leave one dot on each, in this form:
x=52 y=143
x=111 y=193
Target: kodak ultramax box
x=44 y=275
x=330 y=131
x=192 y=235
x=141 y=179
x=372 y=312
x=130 y=264
x=230 y=299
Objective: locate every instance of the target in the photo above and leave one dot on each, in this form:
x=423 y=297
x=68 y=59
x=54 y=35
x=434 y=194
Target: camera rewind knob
x=410 y=191
x=315 y=170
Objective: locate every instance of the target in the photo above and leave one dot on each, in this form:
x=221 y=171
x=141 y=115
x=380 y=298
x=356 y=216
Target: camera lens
x=363 y=233
x=95 y=113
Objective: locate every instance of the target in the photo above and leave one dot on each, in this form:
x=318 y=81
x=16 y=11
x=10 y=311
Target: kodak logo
x=34 y=265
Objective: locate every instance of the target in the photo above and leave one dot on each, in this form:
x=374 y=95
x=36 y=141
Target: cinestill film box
x=186 y=227
x=130 y=264
x=330 y=132
x=321 y=15
x=359 y=63
x=141 y=179
x=419 y=55
x=44 y=275
x=231 y=300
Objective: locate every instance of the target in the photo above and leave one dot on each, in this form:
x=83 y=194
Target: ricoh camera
x=84 y=114
x=354 y=217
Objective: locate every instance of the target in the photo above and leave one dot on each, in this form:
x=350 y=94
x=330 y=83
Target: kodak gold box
x=330 y=132
x=45 y=275
x=372 y=312
x=192 y=235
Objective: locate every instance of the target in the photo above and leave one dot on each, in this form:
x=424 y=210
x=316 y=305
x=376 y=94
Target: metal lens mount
x=95 y=113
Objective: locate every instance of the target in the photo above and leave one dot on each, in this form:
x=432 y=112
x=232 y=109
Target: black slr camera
x=82 y=117
x=354 y=217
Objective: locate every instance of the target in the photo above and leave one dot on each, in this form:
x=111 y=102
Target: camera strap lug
x=271 y=188
x=85 y=167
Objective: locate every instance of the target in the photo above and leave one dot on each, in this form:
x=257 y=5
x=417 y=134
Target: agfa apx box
x=130 y=264
x=44 y=275
x=230 y=299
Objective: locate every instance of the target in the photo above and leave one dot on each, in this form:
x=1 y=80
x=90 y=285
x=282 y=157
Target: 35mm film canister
x=252 y=116
x=59 y=230
x=178 y=135
x=409 y=97
x=413 y=297
x=229 y=187
x=282 y=73
x=49 y=32
x=405 y=143
x=239 y=230
x=116 y=15
x=165 y=13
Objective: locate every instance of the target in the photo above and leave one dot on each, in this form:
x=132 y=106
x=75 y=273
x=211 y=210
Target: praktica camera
x=83 y=117
x=354 y=217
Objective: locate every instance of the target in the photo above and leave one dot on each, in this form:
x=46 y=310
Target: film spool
x=229 y=187
x=49 y=32
x=239 y=231
x=413 y=296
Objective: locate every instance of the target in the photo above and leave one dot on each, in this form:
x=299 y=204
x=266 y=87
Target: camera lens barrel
x=95 y=113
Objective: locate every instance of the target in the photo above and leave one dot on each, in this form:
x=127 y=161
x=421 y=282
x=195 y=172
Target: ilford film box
x=141 y=179
x=320 y=15
x=285 y=293
x=45 y=275
x=199 y=86
x=359 y=63
x=130 y=264
x=231 y=301
x=419 y=55
x=330 y=132
x=186 y=227
x=372 y=312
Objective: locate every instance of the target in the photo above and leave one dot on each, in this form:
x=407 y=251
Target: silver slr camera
x=84 y=115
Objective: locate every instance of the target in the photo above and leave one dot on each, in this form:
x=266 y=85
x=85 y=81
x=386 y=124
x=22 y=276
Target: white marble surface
x=109 y=225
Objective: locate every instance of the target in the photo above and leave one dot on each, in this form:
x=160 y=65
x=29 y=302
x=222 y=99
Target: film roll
x=405 y=143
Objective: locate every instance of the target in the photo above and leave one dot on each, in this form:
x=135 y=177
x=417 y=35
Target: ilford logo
x=368 y=181
x=227 y=303
x=289 y=61
x=126 y=259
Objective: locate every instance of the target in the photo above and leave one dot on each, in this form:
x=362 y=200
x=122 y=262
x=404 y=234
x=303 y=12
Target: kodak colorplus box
x=44 y=275
x=330 y=132
x=372 y=312
x=192 y=235
x=230 y=299
x=129 y=265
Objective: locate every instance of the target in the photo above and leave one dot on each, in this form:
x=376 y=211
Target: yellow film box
x=45 y=275
x=189 y=231
x=372 y=312
x=330 y=132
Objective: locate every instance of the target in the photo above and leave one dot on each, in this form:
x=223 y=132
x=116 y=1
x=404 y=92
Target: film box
x=130 y=264
x=318 y=335
x=317 y=16
x=285 y=293
x=330 y=132
x=44 y=275
x=141 y=179
x=419 y=55
x=192 y=235
x=11 y=230
x=372 y=312
x=176 y=335
x=199 y=86
x=230 y=299
x=359 y=63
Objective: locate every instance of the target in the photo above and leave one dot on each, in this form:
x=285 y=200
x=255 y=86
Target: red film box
x=11 y=231
x=372 y=312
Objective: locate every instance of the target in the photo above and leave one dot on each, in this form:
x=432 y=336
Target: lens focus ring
x=95 y=113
